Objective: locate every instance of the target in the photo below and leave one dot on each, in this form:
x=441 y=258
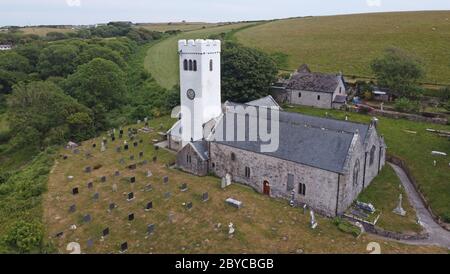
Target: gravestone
x=149 y=206
x=75 y=191
x=226 y=181
x=112 y=206
x=183 y=187
x=113 y=138
x=90 y=243
x=131 y=217
x=231 y=229
x=167 y=195
x=171 y=217
x=399 y=209
x=87 y=218
x=65 y=157
x=103 y=147
x=94 y=145
x=234 y=203
x=131 y=157
x=133 y=180
x=118 y=149
x=150 y=229
x=114 y=187
x=135 y=144
x=59 y=234
x=125 y=147
x=132 y=167
x=120 y=131
x=130 y=196
x=87 y=169
x=313 y=221
x=189 y=206
x=72 y=208
x=120 y=136
x=141 y=154
x=148 y=188
x=149 y=174
x=156 y=147
x=70 y=178
x=205 y=196
x=122 y=161
x=96 y=196
x=165 y=179
x=103 y=179
x=145 y=162
x=117 y=173
x=123 y=247
x=90 y=185
x=155 y=158
x=105 y=232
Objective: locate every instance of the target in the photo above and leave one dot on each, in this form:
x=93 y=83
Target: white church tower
x=199 y=86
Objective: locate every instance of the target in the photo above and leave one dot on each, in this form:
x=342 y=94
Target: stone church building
x=323 y=163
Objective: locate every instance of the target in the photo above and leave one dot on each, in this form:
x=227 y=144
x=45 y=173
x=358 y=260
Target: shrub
x=346 y=227
x=24 y=237
x=406 y=105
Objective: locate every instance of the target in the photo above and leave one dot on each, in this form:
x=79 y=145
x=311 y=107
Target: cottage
x=311 y=89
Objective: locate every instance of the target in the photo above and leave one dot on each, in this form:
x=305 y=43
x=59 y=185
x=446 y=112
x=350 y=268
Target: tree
x=247 y=74
x=398 y=71
x=57 y=60
x=41 y=114
x=24 y=237
x=96 y=51
x=98 y=82
x=13 y=69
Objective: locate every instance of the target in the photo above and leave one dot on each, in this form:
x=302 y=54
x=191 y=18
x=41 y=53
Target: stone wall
x=408 y=116
x=321 y=185
x=197 y=166
x=311 y=98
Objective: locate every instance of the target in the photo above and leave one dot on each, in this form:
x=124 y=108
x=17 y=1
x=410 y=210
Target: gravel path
x=438 y=235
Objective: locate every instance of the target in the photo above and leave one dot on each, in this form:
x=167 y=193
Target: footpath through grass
x=414 y=148
x=162 y=58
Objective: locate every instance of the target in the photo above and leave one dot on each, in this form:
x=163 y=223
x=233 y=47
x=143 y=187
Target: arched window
x=372 y=155
x=356 y=173
x=185 y=64
x=233 y=156
x=190 y=64
x=301 y=189
x=195 y=65
x=210 y=65
x=299 y=94
x=318 y=97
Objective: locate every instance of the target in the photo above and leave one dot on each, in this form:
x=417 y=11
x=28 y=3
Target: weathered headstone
x=103 y=179
x=125 y=147
x=87 y=218
x=96 y=196
x=117 y=173
x=103 y=147
x=165 y=179
x=205 y=196
x=72 y=208
x=183 y=187
x=112 y=206
x=135 y=144
x=167 y=195
x=231 y=229
x=148 y=188
x=118 y=149
x=149 y=174
x=59 y=234
x=94 y=145
x=105 y=232
x=145 y=162
x=148 y=206
x=123 y=247
x=171 y=217
x=150 y=229
x=114 y=187
x=133 y=180
x=122 y=161
x=234 y=203
x=399 y=209
x=313 y=221
x=141 y=154
x=130 y=196
x=87 y=169
x=189 y=206
x=90 y=243
x=75 y=191
x=132 y=167
x=131 y=217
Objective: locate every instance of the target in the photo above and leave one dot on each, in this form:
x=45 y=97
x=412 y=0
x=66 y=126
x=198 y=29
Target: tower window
x=247 y=172
x=211 y=65
x=318 y=97
x=372 y=155
x=190 y=64
x=233 y=156
x=195 y=65
x=356 y=173
x=299 y=94
x=188 y=159
x=301 y=189
x=185 y=64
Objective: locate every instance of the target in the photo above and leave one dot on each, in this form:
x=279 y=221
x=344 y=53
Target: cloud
x=373 y=3
x=73 y=3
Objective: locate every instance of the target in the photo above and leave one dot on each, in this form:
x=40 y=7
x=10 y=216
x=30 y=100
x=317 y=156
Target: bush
x=406 y=105
x=346 y=227
x=24 y=237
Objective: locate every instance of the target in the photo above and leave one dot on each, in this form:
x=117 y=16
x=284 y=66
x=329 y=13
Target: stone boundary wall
x=408 y=116
x=397 y=161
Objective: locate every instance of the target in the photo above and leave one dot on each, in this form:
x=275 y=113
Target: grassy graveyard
x=263 y=225
x=411 y=142
x=162 y=59
x=324 y=42
x=383 y=193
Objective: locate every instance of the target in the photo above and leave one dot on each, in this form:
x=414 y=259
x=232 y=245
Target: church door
x=266 y=188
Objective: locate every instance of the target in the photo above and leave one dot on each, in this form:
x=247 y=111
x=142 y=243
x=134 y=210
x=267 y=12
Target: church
x=319 y=162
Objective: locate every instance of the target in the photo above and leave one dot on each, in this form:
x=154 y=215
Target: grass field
x=349 y=43
x=3 y=123
x=263 y=225
x=383 y=193
x=162 y=59
x=415 y=149
x=43 y=31
x=188 y=26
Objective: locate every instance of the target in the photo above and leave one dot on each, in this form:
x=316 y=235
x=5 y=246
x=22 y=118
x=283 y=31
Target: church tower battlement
x=199 y=85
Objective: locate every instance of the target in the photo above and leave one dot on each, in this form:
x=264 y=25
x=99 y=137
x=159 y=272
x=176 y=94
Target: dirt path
x=438 y=235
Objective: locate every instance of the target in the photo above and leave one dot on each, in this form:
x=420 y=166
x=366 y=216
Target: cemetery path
x=438 y=235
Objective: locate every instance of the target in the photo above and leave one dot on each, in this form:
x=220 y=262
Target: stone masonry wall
x=309 y=98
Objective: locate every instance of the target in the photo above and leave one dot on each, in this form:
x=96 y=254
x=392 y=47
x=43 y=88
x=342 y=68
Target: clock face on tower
x=190 y=94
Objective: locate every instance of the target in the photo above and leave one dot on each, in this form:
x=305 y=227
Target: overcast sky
x=37 y=12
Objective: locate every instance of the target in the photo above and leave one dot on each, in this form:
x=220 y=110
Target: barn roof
x=313 y=141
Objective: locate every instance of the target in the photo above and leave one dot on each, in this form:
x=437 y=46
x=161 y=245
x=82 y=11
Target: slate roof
x=267 y=101
x=340 y=99
x=201 y=148
x=313 y=81
x=312 y=141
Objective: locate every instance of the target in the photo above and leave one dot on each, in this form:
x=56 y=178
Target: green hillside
x=162 y=58
x=348 y=43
